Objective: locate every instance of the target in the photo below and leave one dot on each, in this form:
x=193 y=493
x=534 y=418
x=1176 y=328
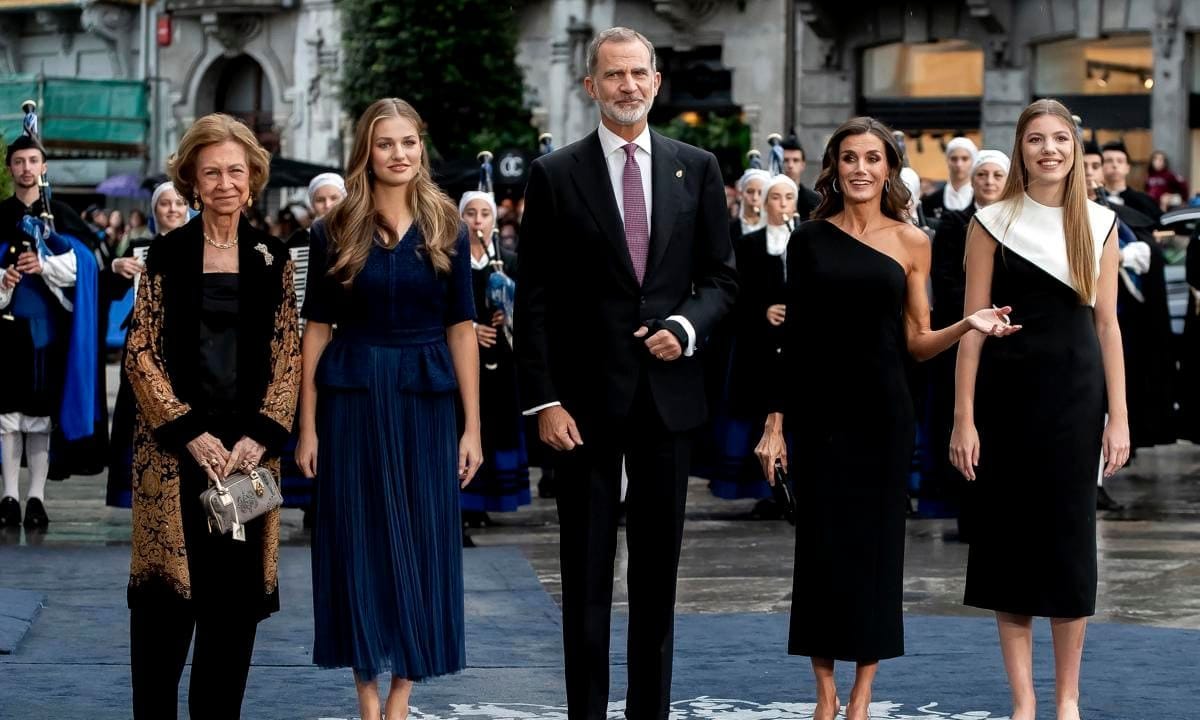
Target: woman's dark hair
x=895 y=198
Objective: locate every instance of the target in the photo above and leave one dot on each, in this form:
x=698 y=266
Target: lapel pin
x=678 y=173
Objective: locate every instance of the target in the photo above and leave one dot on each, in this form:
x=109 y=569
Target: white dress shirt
x=614 y=155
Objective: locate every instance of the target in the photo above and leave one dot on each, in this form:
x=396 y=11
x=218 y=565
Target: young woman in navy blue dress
x=390 y=267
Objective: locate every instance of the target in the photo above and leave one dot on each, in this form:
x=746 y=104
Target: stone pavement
x=62 y=594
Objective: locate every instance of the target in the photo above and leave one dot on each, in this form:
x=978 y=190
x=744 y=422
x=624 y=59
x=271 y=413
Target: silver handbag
x=241 y=497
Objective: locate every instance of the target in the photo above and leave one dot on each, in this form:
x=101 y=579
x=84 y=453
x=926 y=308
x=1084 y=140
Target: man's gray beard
x=612 y=113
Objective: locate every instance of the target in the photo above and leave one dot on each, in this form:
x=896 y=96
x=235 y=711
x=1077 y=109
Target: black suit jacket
x=807 y=201
x=578 y=302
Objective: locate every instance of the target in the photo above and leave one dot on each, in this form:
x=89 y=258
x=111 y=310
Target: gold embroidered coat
x=161 y=362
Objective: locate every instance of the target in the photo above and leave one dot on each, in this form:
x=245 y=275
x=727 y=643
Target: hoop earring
x=887 y=185
x=835 y=187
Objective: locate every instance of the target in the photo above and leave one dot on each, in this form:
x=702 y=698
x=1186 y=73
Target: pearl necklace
x=221 y=246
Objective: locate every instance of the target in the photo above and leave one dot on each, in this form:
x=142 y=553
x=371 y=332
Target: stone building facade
x=932 y=68
x=273 y=63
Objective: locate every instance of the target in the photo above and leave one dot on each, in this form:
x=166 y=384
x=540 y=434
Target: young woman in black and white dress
x=1030 y=411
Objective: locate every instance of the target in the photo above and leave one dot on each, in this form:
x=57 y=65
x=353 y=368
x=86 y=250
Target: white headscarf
x=995 y=157
x=779 y=180
x=158 y=193
x=152 y=223
x=752 y=174
x=324 y=179
x=476 y=195
x=962 y=143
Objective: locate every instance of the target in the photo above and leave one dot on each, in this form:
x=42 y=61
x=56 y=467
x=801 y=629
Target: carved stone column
x=1168 y=106
x=116 y=25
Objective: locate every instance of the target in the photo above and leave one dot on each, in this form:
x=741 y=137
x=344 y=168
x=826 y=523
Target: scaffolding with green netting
x=79 y=118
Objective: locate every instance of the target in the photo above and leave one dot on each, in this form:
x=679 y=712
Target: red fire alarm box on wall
x=164 y=30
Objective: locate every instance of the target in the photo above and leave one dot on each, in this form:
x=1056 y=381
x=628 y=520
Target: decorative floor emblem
x=701 y=708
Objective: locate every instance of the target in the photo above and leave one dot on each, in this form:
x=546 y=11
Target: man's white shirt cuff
x=539 y=408
x=691 y=334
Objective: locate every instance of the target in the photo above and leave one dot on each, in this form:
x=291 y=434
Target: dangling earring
x=195 y=202
x=250 y=201
x=887 y=185
x=835 y=187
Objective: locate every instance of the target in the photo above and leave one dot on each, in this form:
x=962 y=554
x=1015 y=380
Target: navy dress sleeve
x=460 y=297
x=320 y=294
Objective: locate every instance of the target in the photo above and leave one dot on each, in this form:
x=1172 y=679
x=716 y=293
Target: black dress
x=119 y=487
x=502 y=483
x=1039 y=410
x=754 y=345
x=222 y=569
x=948 y=281
x=850 y=415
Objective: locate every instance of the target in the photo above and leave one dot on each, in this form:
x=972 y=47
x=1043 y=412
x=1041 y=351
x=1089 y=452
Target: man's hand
x=662 y=344
x=777 y=314
x=28 y=262
x=557 y=428
x=10 y=279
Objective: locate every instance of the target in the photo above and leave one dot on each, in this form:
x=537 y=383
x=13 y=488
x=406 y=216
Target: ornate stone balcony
x=225 y=7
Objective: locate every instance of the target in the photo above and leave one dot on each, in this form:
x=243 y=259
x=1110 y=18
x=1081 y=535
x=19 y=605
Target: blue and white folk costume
x=48 y=331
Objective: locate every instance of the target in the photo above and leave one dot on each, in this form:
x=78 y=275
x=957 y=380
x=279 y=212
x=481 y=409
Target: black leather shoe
x=10 y=512
x=35 y=514
x=1104 y=502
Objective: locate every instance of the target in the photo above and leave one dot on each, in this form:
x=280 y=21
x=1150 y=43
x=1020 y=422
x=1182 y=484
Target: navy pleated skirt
x=387 y=545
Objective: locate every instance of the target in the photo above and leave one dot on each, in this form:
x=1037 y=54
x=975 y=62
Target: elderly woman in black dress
x=857 y=307
x=213 y=358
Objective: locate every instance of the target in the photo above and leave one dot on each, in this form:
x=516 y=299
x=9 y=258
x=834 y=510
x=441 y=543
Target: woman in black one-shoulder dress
x=857 y=306
x=1030 y=412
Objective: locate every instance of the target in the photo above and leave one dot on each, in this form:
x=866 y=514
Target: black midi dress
x=850 y=415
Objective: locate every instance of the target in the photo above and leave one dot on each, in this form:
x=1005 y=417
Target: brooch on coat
x=268 y=258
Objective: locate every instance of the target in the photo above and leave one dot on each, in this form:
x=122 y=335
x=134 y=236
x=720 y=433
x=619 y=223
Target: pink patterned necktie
x=637 y=225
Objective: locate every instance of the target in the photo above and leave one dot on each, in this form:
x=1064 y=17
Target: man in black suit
x=626 y=266
x=794 y=162
x=1116 y=175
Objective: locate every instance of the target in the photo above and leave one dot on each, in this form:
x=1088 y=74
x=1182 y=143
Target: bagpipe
x=11 y=251
x=501 y=289
x=81 y=401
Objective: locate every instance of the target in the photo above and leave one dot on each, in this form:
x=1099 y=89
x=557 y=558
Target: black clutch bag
x=785 y=497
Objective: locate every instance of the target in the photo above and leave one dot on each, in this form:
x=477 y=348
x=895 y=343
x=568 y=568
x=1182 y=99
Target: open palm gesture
x=993 y=321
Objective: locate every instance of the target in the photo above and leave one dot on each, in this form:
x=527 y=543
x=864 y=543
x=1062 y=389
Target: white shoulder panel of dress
x=1035 y=232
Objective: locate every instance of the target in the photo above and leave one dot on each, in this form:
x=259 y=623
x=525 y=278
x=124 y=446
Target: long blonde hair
x=354 y=222
x=1081 y=248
